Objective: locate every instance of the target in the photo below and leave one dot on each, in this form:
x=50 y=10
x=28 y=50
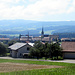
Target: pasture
x=27 y=67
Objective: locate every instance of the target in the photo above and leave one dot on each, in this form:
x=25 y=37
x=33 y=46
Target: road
x=65 y=60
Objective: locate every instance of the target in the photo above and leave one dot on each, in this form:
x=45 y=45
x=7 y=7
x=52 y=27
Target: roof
x=45 y=39
x=68 y=39
x=15 y=39
x=25 y=39
x=68 y=46
x=73 y=38
x=31 y=44
x=54 y=36
x=65 y=38
x=19 y=45
x=36 y=38
x=4 y=39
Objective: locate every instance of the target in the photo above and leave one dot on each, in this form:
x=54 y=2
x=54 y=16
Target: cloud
x=48 y=7
x=9 y=1
x=73 y=2
x=34 y=0
x=35 y=11
x=72 y=7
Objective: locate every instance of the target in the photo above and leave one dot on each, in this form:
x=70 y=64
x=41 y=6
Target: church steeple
x=42 y=33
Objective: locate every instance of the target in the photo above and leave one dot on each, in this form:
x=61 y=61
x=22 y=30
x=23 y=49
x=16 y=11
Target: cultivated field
x=28 y=67
x=10 y=67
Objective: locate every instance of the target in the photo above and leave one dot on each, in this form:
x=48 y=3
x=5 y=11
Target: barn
x=68 y=49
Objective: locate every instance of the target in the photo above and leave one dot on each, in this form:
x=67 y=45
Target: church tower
x=42 y=33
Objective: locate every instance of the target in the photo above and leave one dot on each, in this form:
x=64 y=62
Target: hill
x=34 y=27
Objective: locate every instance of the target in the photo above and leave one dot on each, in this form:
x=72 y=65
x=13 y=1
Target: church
x=43 y=38
x=48 y=38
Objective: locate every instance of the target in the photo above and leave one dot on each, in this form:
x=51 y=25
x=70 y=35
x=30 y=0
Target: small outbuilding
x=19 y=50
x=68 y=49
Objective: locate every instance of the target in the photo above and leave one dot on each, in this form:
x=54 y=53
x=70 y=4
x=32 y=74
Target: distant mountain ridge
x=34 y=27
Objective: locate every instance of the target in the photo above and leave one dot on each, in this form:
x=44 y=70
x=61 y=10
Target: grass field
x=67 y=69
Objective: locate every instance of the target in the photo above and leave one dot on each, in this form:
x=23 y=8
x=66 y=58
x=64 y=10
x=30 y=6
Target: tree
x=37 y=50
x=11 y=42
x=56 y=50
x=46 y=50
x=2 y=49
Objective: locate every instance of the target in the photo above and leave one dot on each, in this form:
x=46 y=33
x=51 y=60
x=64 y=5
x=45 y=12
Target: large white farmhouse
x=18 y=50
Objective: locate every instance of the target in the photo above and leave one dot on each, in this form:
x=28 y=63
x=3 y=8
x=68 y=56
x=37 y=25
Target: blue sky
x=40 y=10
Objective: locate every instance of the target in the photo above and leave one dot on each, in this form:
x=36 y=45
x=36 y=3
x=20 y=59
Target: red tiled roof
x=4 y=39
x=68 y=46
x=45 y=39
x=24 y=39
x=54 y=36
x=36 y=38
x=65 y=38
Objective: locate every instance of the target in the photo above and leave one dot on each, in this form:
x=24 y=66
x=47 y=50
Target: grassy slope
x=68 y=70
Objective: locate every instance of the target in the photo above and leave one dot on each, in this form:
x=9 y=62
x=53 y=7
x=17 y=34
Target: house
x=18 y=50
x=53 y=37
x=36 y=39
x=4 y=39
x=68 y=49
x=65 y=39
x=45 y=39
x=24 y=39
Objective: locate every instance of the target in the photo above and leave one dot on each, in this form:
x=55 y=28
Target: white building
x=18 y=50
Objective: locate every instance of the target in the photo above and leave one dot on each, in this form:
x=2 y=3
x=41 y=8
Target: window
x=28 y=48
x=20 y=54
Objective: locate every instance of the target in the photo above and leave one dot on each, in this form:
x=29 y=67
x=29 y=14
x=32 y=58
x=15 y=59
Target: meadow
x=58 y=68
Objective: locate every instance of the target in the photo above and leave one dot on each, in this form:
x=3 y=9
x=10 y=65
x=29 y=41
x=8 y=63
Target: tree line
x=66 y=35
x=46 y=50
x=4 y=47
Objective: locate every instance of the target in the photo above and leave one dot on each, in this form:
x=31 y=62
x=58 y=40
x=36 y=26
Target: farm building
x=18 y=50
x=68 y=49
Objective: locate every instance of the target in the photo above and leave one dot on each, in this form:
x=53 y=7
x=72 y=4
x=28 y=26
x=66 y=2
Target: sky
x=40 y=10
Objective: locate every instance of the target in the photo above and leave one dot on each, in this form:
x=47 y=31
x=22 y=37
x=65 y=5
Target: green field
x=49 y=32
x=16 y=35
x=68 y=68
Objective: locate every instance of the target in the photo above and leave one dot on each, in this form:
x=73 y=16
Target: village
x=21 y=47
x=37 y=37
